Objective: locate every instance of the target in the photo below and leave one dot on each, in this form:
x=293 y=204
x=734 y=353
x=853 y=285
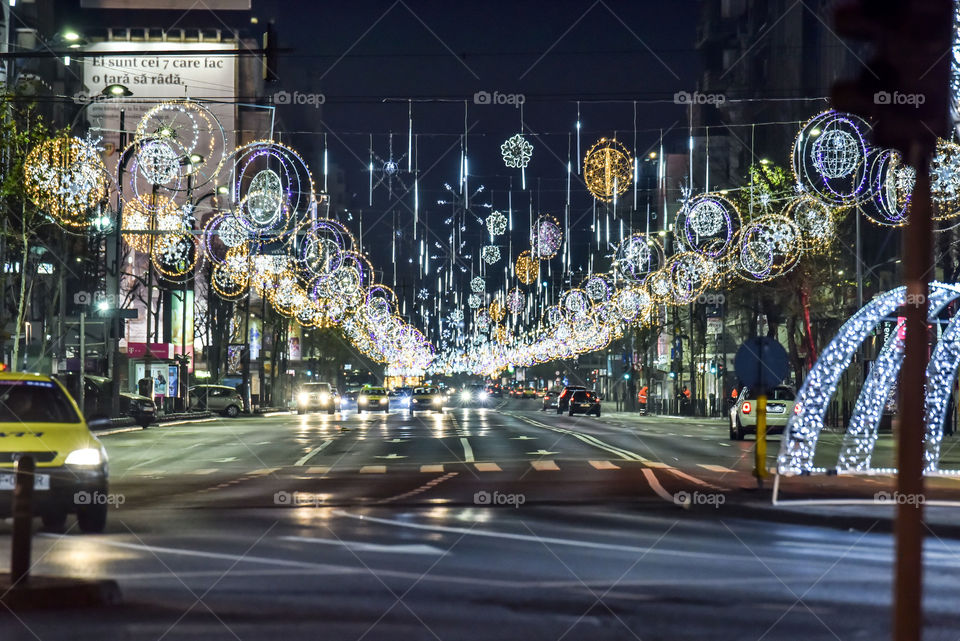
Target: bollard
x=22 y=522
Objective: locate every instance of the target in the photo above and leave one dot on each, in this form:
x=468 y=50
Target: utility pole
x=913 y=41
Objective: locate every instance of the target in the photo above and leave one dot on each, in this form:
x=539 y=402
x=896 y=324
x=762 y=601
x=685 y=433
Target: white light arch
x=803 y=430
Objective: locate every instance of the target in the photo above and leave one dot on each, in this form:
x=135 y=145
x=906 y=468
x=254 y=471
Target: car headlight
x=465 y=396
x=86 y=456
x=362 y=398
x=302 y=398
x=324 y=397
x=483 y=396
x=437 y=400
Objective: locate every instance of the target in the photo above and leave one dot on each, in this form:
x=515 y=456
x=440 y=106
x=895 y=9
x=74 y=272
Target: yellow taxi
x=373 y=399
x=38 y=417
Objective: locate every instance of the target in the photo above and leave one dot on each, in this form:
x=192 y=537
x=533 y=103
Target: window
x=35 y=402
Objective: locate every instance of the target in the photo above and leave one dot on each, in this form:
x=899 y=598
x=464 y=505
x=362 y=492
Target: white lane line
x=656 y=487
x=318 y=470
x=373 y=469
x=309 y=455
x=545 y=466
x=715 y=468
x=467 y=450
x=359 y=546
x=431 y=469
x=271 y=414
x=604 y=465
x=589 y=440
x=487 y=467
x=208 y=470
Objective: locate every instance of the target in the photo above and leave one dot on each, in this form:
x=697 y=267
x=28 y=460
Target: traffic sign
x=761 y=363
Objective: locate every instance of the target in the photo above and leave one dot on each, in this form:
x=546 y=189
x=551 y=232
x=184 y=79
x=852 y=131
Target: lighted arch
x=803 y=430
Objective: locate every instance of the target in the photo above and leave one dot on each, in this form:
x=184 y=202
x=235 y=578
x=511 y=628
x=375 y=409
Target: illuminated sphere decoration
x=527 y=269
x=637 y=255
x=607 y=169
x=174 y=255
x=709 y=223
x=830 y=158
x=158 y=161
x=496 y=223
x=769 y=247
x=515 y=301
x=65 y=178
x=546 y=238
x=196 y=132
x=141 y=214
x=497 y=311
x=945 y=181
x=815 y=221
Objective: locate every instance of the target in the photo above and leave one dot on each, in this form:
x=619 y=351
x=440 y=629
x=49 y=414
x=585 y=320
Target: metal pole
x=22 y=522
x=917 y=250
x=83 y=357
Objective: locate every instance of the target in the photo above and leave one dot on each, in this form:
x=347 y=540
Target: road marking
x=431 y=469
x=523 y=438
x=357 y=546
x=209 y=470
x=724 y=444
x=373 y=469
x=391 y=455
x=604 y=465
x=467 y=450
x=229 y=459
x=309 y=455
x=716 y=468
x=317 y=470
x=541 y=452
x=544 y=466
x=590 y=440
x=655 y=485
x=657 y=465
x=487 y=467
x=693 y=479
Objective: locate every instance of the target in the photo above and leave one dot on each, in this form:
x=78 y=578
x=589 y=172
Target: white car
x=781 y=405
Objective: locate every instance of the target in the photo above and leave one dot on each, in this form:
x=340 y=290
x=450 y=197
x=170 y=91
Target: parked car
x=549 y=400
x=98 y=402
x=140 y=408
x=317 y=397
x=217 y=398
x=584 y=402
x=563 y=401
x=781 y=405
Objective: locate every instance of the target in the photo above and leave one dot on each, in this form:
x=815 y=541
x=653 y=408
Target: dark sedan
x=584 y=402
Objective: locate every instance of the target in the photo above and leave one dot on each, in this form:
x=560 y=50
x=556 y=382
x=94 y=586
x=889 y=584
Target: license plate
x=775 y=409
x=40 y=481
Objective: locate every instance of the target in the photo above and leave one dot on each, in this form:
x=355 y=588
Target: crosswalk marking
x=715 y=468
x=487 y=467
x=656 y=487
x=604 y=465
x=317 y=470
x=656 y=465
x=543 y=466
x=373 y=469
x=432 y=469
x=205 y=471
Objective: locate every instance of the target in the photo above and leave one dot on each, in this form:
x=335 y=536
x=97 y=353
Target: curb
x=54 y=593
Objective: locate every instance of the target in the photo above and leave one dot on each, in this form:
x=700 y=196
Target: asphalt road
x=503 y=523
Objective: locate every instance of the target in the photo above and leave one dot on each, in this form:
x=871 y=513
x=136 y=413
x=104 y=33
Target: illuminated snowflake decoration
x=475 y=301
x=945 y=173
x=423 y=294
x=516 y=151
x=496 y=223
x=476 y=284
x=456 y=315
x=597 y=289
x=490 y=254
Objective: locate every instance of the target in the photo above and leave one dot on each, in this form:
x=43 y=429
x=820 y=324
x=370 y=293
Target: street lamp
x=116 y=91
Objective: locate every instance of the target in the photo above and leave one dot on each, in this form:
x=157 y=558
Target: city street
x=231 y=529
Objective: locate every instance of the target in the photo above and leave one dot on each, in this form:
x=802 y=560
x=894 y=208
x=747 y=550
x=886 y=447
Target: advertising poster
x=159 y=373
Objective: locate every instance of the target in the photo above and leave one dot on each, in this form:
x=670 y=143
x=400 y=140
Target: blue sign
x=761 y=363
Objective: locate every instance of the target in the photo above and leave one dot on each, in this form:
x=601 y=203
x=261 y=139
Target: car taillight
x=796 y=408
x=747 y=407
